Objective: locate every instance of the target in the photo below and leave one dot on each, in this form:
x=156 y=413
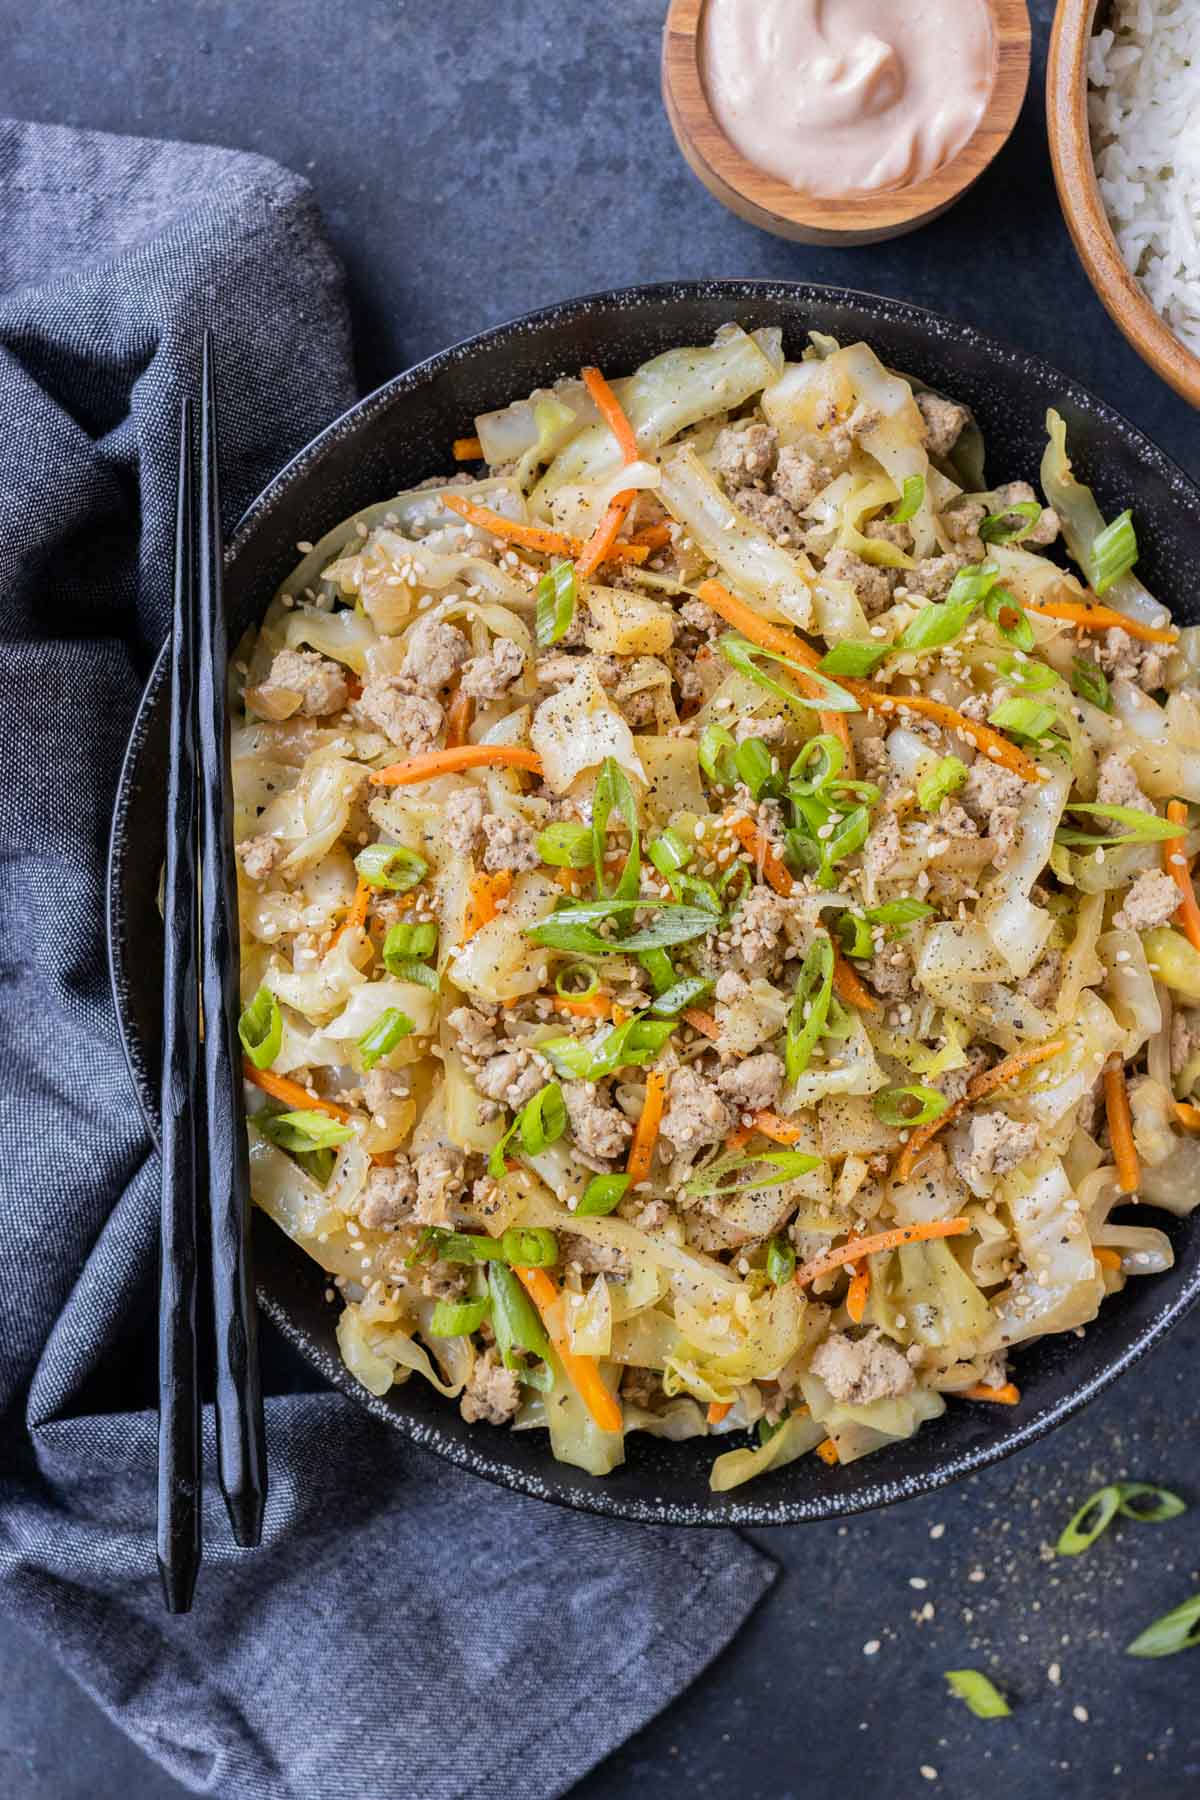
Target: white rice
x=1144 y=111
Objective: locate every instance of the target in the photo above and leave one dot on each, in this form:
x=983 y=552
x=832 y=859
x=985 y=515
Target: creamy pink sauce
x=837 y=96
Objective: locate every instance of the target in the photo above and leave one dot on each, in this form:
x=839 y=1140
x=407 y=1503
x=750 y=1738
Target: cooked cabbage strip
x=977 y=1089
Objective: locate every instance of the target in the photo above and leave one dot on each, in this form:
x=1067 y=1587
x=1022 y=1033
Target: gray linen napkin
x=405 y=1628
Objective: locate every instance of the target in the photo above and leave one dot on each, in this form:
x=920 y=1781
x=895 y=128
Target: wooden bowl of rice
x=1117 y=102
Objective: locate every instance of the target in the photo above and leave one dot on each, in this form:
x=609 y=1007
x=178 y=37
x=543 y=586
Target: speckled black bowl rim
x=567 y=1487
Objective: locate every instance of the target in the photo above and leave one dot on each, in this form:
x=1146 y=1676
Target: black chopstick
x=179 y=1467
x=241 y=1451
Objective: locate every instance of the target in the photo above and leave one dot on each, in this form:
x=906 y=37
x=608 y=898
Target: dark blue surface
x=475 y=161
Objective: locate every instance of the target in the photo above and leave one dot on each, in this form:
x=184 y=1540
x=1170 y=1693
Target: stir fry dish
x=719 y=953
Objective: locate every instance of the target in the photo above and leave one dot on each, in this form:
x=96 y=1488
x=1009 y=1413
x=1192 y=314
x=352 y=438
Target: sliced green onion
x=789 y=1165
x=995 y=531
x=303 y=1131
x=1094 y=1516
x=854 y=935
x=819 y=763
x=459 y=1318
x=659 y=968
x=555 y=604
x=896 y=913
x=260 y=1029
x=465 y=1247
x=937 y=624
x=405 y=941
x=669 y=853
x=515 y=1319
x=1113 y=553
x=735 y=884
x=982 y=1697
x=1015 y=630
x=318 y=1163
x=1034 y=677
x=913 y=1105
x=630 y=1045
x=566 y=980
x=1030 y=719
x=391 y=866
x=975 y=582
x=912 y=499
x=540 y=1122
x=688 y=992
x=387 y=1031
x=529 y=1247
x=855 y=657
x=1091 y=683
x=613 y=793
x=810 y=1005
x=1142 y=827
x=781 y=1261
x=847 y=837
x=741 y=655
x=765 y=1430
x=573 y=928
x=945 y=777
x=602 y=1195
x=1149 y=1505
x=420 y=972
x=1175 y=1631
x=756 y=766
x=565 y=846
x=716 y=747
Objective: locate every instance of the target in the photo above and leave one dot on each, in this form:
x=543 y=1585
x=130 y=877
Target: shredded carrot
x=459 y=714
x=586 y=1006
x=828 y=1452
x=856 y=1295
x=718 y=1410
x=1107 y=1258
x=453 y=758
x=467 y=449
x=582 y=1371
x=701 y=1021
x=645 y=1136
x=612 y=412
x=751 y=838
x=1174 y=859
x=619 y=1014
x=1099 y=618
x=1120 y=1124
x=848 y=986
x=738 y=1139
x=978 y=1089
x=780 y=1131
x=483 y=901
x=1008 y=1395
x=600 y=546
x=291 y=1093
x=776 y=637
x=655 y=537
x=856 y=1248
x=356 y=912
x=532 y=537
x=573 y=880
x=995 y=746
x=1188 y=1115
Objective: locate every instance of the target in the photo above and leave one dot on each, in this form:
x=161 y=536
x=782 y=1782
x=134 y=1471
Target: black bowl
x=397 y=437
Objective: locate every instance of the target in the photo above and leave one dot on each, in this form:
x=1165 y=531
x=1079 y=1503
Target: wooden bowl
x=1083 y=209
x=862 y=218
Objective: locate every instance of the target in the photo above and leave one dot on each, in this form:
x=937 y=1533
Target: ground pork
x=798 y=479
x=944 y=422
x=443 y=1280
x=1045 y=528
x=462 y=815
x=992 y=797
x=961 y=524
x=1117 y=785
x=700 y=617
x=933 y=576
x=882 y=847
x=858 y=1371
x=389 y=1196
x=321 y=684
x=745 y=454
x=513 y=1077
x=1185 y=1037
x=476 y=1033
x=891 y=531
x=753 y=1084
x=488 y=677
x=641 y=1387
x=955 y=1082
x=434 y=655
x=773 y=514
x=873 y=586
x=492 y=1394
x=439 y=1184
x=258 y=856
x=510 y=843
x=1129 y=659
x=1152 y=900
x=891 y=972
x=990 y=1144
x=758 y=926
x=1040 y=986
x=770 y=730
x=696 y=1114
x=599 y=1128
x=841 y=435
x=410 y=721
x=590 y=1258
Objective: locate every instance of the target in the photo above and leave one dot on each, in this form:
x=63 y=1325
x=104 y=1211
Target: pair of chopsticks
x=204 y=1155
